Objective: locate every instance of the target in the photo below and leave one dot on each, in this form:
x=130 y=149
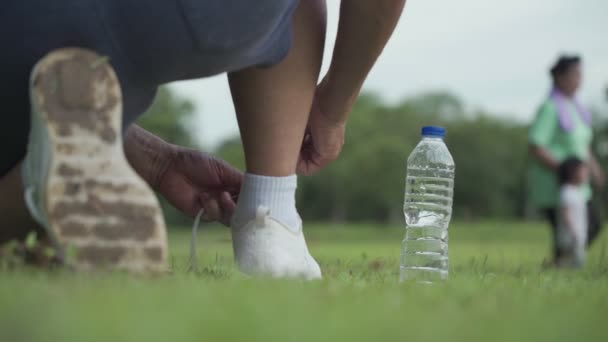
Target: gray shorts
x=148 y=42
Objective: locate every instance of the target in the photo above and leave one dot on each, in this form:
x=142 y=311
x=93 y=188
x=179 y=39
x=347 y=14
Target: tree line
x=367 y=182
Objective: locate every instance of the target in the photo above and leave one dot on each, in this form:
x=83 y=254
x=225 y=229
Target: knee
x=265 y=36
x=271 y=20
x=236 y=24
x=312 y=15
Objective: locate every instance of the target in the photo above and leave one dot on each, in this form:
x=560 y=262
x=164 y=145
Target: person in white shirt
x=572 y=218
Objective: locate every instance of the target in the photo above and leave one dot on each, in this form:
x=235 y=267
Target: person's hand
x=324 y=135
x=193 y=180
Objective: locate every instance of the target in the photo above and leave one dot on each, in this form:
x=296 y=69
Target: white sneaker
x=78 y=183
x=266 y=247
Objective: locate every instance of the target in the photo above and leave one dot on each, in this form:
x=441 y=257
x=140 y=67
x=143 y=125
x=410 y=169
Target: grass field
x=496 y=292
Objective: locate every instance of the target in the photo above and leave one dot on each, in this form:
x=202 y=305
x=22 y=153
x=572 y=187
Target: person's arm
x=596 y=170
x=544 y=157
x=148 y=154
x=541 y=134
x=364 y=29
x=188 y=179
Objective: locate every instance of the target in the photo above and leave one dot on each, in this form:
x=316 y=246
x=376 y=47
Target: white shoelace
x=193 y=240
x=31 y=204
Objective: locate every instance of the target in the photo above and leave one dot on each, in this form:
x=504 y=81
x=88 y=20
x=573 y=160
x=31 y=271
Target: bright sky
x=493 y=53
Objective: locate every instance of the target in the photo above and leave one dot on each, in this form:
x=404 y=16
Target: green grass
x=496 y=292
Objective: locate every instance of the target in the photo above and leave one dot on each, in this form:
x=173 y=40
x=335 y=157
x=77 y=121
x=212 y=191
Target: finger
x=305 y=159
x=212 y=208
x=229 y=176
x=302 y=159
x=183 y=197
x=312 y=168
x=307 y=137
x=227 y=201
x=310 y=162
x=228 y=207
x=303 y=167
x=211 y=173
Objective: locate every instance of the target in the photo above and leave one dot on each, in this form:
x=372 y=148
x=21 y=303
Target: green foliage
x=600 y=144
x=31 y=240
x=490 y=157
x=367 y=182
x=170 y=117
x=232 y=152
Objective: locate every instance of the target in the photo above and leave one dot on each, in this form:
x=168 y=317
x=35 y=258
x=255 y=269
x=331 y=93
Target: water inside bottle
x=428 y=209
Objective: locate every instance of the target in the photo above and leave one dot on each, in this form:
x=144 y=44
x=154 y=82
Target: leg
x=77 y=181
x=273 y=106
x=16 y=220
x=551 y=215
x=594 y=223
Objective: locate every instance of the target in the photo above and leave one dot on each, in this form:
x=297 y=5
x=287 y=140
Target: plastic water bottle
x=429 y=188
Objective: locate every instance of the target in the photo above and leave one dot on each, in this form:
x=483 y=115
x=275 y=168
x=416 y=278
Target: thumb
x=229 y=176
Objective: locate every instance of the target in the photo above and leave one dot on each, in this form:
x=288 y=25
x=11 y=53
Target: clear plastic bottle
x=429 y=189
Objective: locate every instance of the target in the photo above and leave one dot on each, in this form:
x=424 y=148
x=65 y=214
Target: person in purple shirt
x=561 y=130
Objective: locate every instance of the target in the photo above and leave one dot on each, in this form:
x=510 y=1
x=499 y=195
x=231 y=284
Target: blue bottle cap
x=433 y=131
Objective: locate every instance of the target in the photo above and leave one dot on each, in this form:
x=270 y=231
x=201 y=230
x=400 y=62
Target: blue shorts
x=149 y=43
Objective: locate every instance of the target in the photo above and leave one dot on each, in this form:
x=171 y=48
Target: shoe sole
x=99 y=212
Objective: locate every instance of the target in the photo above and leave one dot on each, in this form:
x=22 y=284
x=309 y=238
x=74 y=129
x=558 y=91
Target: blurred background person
x=572 y=218
x=562 y=129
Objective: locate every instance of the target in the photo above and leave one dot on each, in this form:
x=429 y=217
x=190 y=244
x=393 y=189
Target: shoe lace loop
x=193 y=240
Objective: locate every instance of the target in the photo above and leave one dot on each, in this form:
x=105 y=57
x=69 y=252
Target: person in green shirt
x=562 y=129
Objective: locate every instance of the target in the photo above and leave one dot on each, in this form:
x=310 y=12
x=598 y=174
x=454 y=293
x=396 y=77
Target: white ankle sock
x=276 y=193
